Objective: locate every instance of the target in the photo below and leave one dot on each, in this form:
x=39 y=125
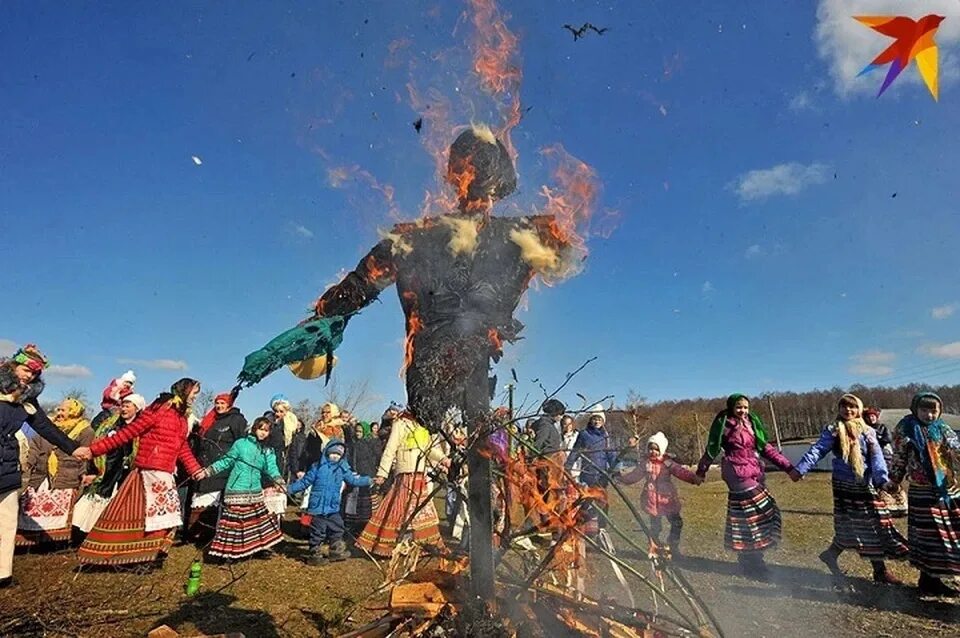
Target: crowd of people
x=114 y=485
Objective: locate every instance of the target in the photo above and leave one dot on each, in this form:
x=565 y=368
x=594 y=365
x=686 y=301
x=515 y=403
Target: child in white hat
x=660 y=498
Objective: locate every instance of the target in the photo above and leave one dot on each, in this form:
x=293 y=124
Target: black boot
x=829 y=558
x=753 y=566
x=6 y=582
x=933 y=586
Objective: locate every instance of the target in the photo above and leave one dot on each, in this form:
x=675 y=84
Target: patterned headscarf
x=30 y=356
x=929 y=441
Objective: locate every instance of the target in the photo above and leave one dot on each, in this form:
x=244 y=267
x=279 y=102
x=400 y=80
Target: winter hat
x=224 y=396
x=30 y=356
x=597 y=410
x=129 y=376
x=335 y=446
x=137 y=400
x=279 y=398
x=660 y=440
x=874 y=411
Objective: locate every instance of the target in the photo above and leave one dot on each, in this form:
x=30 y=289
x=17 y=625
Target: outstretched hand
x=697 y=479
x=794 y=475
x=200 y=474
x=378 y=481
x=83 y=453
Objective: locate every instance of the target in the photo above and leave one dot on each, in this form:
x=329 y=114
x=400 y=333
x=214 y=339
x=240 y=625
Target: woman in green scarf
x=753 y=518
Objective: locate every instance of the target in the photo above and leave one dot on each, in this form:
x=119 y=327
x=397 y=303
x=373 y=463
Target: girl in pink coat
x=660 y=498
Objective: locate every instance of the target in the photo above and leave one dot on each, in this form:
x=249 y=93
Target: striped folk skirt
x=933 y=531
x=394 y=517
x=45 y=515
x=120 y=536
x=862 y=522
x=753 y=520
x=245 y=526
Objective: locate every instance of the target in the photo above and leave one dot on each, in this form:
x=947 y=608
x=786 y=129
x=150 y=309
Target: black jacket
x=215 y=443
x=364 y=455
x=547 y=435
x=12 y=418
x=118 y=462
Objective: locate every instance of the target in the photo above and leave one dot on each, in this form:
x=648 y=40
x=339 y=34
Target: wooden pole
x=773 y=418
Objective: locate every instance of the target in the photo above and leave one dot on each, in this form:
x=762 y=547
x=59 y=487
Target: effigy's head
x=480 y=167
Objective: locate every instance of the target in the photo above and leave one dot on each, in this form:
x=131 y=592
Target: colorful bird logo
x=914 y=41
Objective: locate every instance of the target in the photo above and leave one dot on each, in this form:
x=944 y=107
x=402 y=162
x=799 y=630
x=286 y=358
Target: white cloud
x=753 y=251
x=301 y=230
x=782 y=179
x=872 y=363
x=156 y=364
x=943 y=350
x=72 y=371
x=942 y=312
x=7 y=348
x=847 y=46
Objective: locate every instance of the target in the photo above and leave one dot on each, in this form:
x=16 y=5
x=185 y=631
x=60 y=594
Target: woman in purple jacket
x=753 y=518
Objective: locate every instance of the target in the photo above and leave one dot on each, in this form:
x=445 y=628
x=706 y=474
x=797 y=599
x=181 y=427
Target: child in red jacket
x=660 y=498
x=138 y=525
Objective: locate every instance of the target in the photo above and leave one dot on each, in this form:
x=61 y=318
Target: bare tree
x=203 y=402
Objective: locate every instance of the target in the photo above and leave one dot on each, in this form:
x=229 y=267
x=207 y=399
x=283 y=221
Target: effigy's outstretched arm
x=360 y=287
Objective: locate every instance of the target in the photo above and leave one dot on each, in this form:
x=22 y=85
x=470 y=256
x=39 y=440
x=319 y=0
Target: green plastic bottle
x=193 y=582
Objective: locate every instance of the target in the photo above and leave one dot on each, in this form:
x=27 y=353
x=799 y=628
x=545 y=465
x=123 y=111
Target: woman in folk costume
x=895 y=502
x=413 y=450
x=117 y=389
x=20 y=385
x=53 y=479
x=659 y=494
x=112 y=468
x=926 y=450
x=860 y=519
x=210 y=441
x=139 y=523
x=245 y=526
x=363 y=454
x=753 y=518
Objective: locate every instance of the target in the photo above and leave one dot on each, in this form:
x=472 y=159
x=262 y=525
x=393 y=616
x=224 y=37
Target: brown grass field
x=283 y=596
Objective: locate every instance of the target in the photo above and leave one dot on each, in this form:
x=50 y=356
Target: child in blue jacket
x=325 y=479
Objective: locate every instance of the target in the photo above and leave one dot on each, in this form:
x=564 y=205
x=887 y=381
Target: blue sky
x=779 y=227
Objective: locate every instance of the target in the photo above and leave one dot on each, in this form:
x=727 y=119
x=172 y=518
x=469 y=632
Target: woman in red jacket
x=139 y=523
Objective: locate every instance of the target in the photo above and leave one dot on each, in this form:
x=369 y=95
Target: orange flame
x=376 y=271
x=493 y=335
x=495 y=53
x=414 y=325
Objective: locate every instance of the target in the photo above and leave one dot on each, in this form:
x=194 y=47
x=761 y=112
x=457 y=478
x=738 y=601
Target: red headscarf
x=207 y=421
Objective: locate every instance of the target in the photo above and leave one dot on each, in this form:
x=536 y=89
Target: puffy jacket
x=325 y=479
x=875 y=465
x=212 y=445
x=12 y=417
x=599 y=456
x=659 y=495
x=409 y=449
x=248 y=461
x=163 y=440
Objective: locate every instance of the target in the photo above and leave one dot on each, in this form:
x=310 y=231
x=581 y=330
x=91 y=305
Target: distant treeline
x=799 y=414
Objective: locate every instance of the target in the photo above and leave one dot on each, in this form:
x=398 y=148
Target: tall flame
x=414 y=325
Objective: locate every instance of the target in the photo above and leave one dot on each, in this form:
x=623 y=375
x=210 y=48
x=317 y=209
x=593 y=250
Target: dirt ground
x=282 y=596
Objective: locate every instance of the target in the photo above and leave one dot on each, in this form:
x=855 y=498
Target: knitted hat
x=660 y=440
x=874 y=411
x=129 y=376
x=30 y=356
x=137 y=400
x=597 y=410
x=279 y=398
x=224 y=396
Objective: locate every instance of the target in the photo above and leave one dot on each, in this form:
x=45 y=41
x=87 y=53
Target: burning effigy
x=460 y=271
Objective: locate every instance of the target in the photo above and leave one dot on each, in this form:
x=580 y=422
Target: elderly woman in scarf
x=861 y=521
x=927 y=451
x=53 y=479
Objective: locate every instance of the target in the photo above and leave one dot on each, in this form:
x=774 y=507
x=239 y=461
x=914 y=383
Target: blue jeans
x=325 y=529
